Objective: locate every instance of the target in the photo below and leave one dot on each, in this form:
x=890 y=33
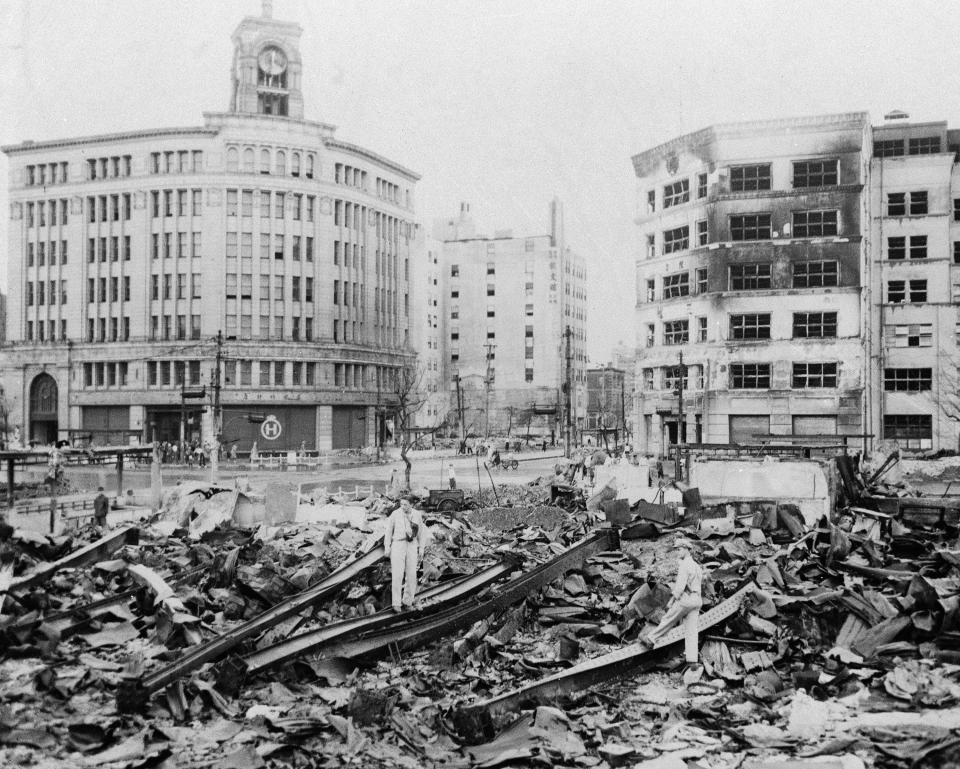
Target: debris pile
x=272 y=645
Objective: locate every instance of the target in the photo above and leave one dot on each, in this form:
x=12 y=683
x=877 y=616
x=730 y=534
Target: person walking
x=405 y=538
x=684 y=605
x=451 y=475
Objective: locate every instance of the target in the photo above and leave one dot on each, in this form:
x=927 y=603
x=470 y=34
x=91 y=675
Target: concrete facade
x=428 y=330
x=607 y=399
x=507 y=302
x=751 y=250
x=129 y=253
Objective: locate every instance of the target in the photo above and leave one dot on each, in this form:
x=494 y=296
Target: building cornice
x=331 y=143
x=31 y=146
x=710 y=134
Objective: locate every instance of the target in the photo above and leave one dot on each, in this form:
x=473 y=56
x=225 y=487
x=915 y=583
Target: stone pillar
x=324 y=428
x=371 y=430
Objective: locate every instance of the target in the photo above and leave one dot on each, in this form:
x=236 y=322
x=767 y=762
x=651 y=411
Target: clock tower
x=267 y=66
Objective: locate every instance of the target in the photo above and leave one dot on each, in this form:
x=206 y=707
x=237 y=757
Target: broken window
x=753 y=326
x=814 y=325
x=671 y=378
x=814 y=173
x=676 y=285
x=918 y=202
x=888 y=148
x=676 y=193
x=750 y=227
x=651 y=201
x=747 y=277
x=912 y=431
x=651 y=290
x=701 y=275
x=815 y=274
x=676 y=240
x=701 y=329
x=749 y=178
x=814 y=224
x=702 y=232
x=925 y=145
x=912 y=335
x=651 y=334
x=701 y=185
x=651 y=246
x=896 y=204
x=676 y=332
x=814 y=375
x=907 y=379
x=750 y=376
x=648 y=379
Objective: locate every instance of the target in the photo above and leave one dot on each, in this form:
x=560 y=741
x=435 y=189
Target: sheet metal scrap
x=95 y=551
x=133 y=695
x=234 y=671
x=430 y=628
x=477 y=723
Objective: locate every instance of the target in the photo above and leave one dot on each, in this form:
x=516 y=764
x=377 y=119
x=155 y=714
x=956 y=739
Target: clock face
x=272 y=61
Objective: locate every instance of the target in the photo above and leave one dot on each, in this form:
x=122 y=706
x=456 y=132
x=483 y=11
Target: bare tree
x=405 y=388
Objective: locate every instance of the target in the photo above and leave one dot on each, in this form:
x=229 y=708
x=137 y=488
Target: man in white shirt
x=684 y=606
x=405 y=537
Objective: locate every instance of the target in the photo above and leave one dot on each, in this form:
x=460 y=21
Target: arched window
x=309 y=173
x=295 y=164
x=248 y=160
x=233 y=159
x=264 y=161
x=281 y=162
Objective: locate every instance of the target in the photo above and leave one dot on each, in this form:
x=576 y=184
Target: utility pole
x=376 y=417
x=463 y=427
x=568 y=386
x=487 y=382
x=623 y=412
x=678 y=468
x=217 y=411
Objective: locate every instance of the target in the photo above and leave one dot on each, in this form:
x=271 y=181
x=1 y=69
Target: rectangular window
x=750 y=178
x=753 y=326
x=749 y=277
x=676 y=332
x=888 y=148
x=956 y=252
x=651 y=246
x=896 y=204
x=907 y=379
x=912 y=431
x=651 y=201
x=701 y=276
x=897 y=247
x=750 y=227
x=750 y=376
x=676 y=285
x=924 y=145
x=702 y=232
x=676 y=193
x=701 y=329
x=918 y=246
x=814 y=173
x=814 y=375
x=651 y=334
x=814 y=224
x=264 y=372
x=676 y=240
x=814 y=325
x=672 y=375
x=918 y=203
x=701 y=185
x=815 y=274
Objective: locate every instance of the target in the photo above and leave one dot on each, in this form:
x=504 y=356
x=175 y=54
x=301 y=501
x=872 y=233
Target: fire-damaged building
x=802 y=274
x=748 y=284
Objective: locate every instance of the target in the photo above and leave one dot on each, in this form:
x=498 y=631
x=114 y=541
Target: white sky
x=502 y=104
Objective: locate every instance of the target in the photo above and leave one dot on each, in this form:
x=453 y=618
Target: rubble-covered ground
x=845 y=657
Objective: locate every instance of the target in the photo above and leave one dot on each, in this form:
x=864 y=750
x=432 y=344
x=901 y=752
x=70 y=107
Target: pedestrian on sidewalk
x=451 y=475
x=405 y=537
x=684 y=606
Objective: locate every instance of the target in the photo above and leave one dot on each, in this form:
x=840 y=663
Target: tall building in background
x=751 y=265
x=607 y=399
x=507 y=302
x=913 y=285
x=427 y=331
x=129 y=253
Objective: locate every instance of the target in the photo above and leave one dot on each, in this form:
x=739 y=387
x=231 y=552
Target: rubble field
x=189 y=640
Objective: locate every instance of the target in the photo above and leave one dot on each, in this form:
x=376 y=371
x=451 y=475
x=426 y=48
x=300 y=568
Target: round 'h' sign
x=271 y=428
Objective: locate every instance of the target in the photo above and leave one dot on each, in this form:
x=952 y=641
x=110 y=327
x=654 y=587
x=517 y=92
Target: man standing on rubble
x=684 y=606
x=405 y=536
x=101 y=505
